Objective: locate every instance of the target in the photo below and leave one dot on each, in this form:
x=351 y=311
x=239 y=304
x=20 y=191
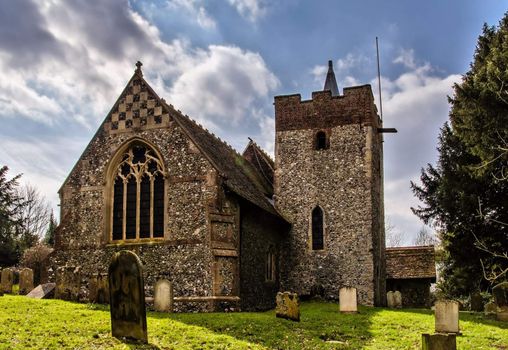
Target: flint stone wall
x=193 y=192
x=257 y=236
x=345 y=181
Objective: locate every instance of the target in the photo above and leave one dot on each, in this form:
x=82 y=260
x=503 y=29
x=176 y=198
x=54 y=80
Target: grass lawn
x=54 y=324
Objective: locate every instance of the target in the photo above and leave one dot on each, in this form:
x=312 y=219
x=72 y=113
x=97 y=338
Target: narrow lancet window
x=317 y=229
x=321 y=141
x=138 y=196
x=270 y=273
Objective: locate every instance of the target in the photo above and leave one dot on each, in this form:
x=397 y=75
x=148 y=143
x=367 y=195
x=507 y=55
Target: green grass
x=54 y=324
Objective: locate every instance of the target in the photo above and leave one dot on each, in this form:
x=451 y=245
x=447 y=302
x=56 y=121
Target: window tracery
x=138 y=196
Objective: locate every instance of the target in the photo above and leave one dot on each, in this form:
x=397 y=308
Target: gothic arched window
x=138 y=195
x=317 y=229
x=321 y=140
x=270 y=273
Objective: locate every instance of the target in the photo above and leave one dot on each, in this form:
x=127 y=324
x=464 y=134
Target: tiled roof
x=239 y=174
x=261 y=161
x=410 y=262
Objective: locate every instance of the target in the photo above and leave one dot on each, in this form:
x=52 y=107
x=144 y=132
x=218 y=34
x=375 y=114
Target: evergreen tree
x=49 y=239
x=10 y=205
x=465 y=195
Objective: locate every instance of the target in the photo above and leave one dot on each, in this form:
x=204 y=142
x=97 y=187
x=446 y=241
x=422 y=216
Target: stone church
x=229 y=230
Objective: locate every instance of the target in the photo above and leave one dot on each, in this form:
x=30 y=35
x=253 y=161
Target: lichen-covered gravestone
x=163 y=296
x=68 y=283
x=127 y=297
x=288 y=306
x=500 y=293
x=389 y=299
x=447 y=316
x=6 y=281
x=397 y=299
x=347 y=300
x=43 y=291
x=476 y=302
x=490 y=308
x=26 y=281
x=98 y=289
x=439 y=342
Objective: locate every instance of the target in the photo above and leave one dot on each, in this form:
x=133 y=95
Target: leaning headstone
x=98 y=289
x=389 y=300
x=439 y=342
x=397 y=300
x=26 y=281
x=500 y=293
x=163 y=296
x=68 y=283
x=447 y=316
x=288 y=306
x=347 y=300
x=7 y=280
x=127 y=297
x=43 y=291
x=476 y=302
x=490 y=308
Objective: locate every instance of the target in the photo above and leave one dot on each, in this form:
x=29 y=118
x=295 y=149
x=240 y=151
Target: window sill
x=153 y=241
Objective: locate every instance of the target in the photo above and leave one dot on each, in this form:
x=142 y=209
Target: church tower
x=329 y=184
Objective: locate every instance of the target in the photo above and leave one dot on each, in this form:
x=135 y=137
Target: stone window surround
x=271 y=265
x=317 y=134
x=325 y=231
x=111 y=169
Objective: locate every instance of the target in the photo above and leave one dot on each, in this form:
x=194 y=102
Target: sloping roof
x=410 y=262
x=261 y=161
x=239 y=174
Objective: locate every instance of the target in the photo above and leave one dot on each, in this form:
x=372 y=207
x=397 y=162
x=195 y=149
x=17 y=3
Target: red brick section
x=410 y=262
x=356 y=106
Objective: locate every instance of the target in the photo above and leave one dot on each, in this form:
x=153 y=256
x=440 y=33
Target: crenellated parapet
x=355 y=106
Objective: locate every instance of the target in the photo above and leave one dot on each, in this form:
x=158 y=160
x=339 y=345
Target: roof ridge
x=261 y=149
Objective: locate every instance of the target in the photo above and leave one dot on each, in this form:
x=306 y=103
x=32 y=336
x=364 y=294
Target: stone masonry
x=345 y=180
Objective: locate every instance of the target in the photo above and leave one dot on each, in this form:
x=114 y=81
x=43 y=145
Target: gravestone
x=397 y=300
x=476 y=302
x=68 y=283
x=447 y=316
x=26 y=281
x=389 y=300
x=7 y=280
x=288 y=306
x=347 y=300
x=439 y=342
x=43 y=291
x=490 y=308
x=98 y=289
x=163 y=296
x=500 y=293
x=127 y=297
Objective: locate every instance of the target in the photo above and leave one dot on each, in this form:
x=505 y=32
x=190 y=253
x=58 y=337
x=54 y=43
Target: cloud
x=251 y=10
x=223 y=83
x=416 y=104
x=71 y=61
x=407 y=58
x=194 y=10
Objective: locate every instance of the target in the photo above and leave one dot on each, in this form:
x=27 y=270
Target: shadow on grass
x=468 y=316
x=321 y=326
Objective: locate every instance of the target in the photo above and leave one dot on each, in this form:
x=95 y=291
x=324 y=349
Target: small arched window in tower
x=270 y=272
x=138 y=196
x=321 y=140
x=317 y=229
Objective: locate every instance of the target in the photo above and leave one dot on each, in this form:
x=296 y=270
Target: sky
x=64 y=63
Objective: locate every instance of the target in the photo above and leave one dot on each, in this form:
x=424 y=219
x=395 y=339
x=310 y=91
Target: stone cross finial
x=138 y=67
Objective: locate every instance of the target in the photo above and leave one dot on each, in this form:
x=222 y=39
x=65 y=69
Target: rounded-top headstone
x=127 y=297
x=163 y=296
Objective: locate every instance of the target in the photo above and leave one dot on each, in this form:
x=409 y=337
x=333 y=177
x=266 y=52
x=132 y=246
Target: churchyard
x=27 y=323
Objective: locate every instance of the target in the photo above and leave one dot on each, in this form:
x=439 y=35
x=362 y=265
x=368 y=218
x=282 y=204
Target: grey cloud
x=24 y=38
